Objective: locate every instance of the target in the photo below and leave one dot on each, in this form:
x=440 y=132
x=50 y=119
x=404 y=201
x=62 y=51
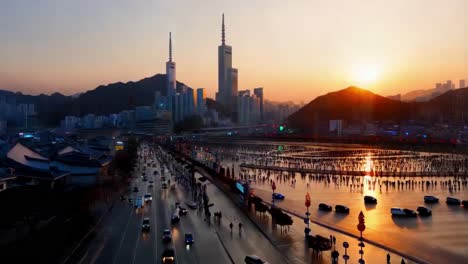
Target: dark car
x=189 y=239
x=341 y=209
x=410 y=213
x=135 y=189
x=277 y=196
x=166 y=236
x=423 y=211
x=122 y=197
x=145 y=226
x=369 y=200
x=168 y=256
x=182 y=211
x=175 y=219
x=324 y=207
x=252 y=259
x=164 y=185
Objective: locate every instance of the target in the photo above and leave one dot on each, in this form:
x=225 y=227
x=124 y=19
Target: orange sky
x=295 y=51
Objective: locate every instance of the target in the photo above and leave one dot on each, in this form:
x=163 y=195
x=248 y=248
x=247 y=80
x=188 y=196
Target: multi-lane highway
x=119 y=237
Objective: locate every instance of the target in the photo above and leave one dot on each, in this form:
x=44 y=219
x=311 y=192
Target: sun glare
x=367 y=75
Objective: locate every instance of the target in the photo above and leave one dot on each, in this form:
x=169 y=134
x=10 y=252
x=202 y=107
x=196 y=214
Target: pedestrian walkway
x=292 y=242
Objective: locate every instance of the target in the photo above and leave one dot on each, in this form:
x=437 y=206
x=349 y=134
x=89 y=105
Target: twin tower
x=227 y=76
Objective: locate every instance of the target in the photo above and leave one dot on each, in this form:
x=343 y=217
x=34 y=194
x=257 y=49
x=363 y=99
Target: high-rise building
x=259 y=93
x=462 y=84
x=227 y=76
x=449 y=85
x=170 y=72
x=201 y=104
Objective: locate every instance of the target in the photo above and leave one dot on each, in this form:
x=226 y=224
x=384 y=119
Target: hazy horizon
x=308 y=49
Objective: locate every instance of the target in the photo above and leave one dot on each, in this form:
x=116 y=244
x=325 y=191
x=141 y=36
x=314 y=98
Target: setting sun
x=366 y=74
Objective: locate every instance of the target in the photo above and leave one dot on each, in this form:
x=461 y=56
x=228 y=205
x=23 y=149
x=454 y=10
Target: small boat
x=453 y=201
x=465 y=203
x=342 y=209
x=395 y=211
x=324 y=207
x=430 y=199
x=423 y=211
x=370 y=200
x=410 y=213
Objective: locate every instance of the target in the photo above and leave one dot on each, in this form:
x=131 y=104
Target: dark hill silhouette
x=351 y=104
x=104 y=99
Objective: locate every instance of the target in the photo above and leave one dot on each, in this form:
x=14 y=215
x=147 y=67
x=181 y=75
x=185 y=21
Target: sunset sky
x=295 y=49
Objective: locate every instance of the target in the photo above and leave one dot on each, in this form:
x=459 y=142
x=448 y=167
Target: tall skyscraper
x=259 y=93
x=462 y=84
x=227 y=76
x=201 y=105
x=170 y=72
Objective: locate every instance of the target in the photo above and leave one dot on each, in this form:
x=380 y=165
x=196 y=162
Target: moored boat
x=453 y=201
x=395 y=211
x=430 y=199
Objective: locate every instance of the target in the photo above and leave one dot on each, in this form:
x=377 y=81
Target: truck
x=139 y=202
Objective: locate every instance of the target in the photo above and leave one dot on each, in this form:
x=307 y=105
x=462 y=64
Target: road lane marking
x=123 y=237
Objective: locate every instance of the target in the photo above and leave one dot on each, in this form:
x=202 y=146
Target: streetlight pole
x=307 y=220
x=361 y=227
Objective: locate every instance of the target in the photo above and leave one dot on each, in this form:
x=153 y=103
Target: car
x=150 y=185
x=168 y=256
x=253 y=259
x=163 y=178
x=182 y=211
x=175 y=219
x=189 y=239
x=370 y=200
x=423 y=211
x=135 y=189
x=145 y=226
x=277 y=196
x=122 y=197
x=148 y=198
x=145 y=179
x=324 y=207
x=151 y=181
x=166 y=236
x=341 y=209
x=191 y=205
x=164 y=185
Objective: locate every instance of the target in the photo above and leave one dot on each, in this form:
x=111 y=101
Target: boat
x=370 y=200
x=409 y=212
x=342 y=209
x=465 y=203
x=453 y=201
x=324 y=207
x=430 y=199
x=424 y=211
x=395 y=211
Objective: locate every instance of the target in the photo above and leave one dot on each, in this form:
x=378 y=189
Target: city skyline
x=85 y=45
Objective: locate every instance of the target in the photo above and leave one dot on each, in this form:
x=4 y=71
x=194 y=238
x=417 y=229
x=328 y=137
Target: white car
x=148 y=198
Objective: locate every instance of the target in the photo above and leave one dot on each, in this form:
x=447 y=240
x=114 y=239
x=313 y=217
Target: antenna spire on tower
x=170 y=47
x=223 y=34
